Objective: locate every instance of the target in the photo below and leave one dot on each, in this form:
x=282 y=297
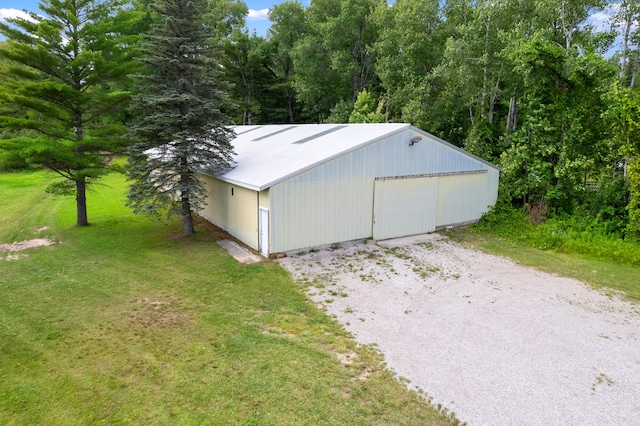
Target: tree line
x=531 y=86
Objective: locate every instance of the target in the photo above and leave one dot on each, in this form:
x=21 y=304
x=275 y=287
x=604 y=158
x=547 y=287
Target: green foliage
x=11 y=160
x=608 y=206
x=557 y=144
x=583 y=234
x=623 y=117
x=634 y=199
x=255 y=89
x=409 y=46
x=587 y=237
x=288 y=25
x=505 y=221
x=365 y=109
x=179 y=106
x=62 y=100
x=332 y=60
x=222 y=17
x=340 y=113
x=61 y=187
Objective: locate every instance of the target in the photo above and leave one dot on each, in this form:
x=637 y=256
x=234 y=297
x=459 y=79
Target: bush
x=609 y=206
x=504 y=220
x=580 y=233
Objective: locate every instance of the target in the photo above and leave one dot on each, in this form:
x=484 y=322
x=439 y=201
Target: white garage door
x=404 y=206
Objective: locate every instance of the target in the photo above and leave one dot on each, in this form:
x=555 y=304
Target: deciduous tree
x=623 y=116
x=288 y=26
x=334 y=61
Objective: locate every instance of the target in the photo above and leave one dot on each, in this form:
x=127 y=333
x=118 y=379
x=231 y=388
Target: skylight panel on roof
x=274 y=133
x=317 y=135
x=250 y=129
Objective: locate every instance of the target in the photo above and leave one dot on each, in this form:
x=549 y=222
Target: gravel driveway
x=492 y=341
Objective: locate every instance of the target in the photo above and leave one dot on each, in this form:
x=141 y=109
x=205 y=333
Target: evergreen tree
x=179 y=103
x=66 y=73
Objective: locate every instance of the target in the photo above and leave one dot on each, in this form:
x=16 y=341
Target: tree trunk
x=495 y=94
x=584 y=183
x=187 y=218
x=81 y=202
x=625 y=46
x=485 y=71
x=634 y=71
x=289 y=99
x=512 y=118
x=568 y=28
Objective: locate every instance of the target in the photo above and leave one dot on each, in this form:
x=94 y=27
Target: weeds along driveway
x=492 y=341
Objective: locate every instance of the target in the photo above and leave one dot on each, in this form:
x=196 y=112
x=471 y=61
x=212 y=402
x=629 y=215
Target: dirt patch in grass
x=23 y=245
x=277 y=331
x=211 y=230
x=346 y=358
x=163 y=311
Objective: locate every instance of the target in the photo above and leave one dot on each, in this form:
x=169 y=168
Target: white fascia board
x=237 y=183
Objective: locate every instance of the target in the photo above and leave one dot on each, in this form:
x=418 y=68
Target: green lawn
x=608 y=276
x=128 y=322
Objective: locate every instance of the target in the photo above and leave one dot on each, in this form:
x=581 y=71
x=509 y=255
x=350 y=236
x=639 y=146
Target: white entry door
x=404 y=206
x=263 y=231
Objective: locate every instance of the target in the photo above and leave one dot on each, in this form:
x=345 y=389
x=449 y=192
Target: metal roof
x=269 y=154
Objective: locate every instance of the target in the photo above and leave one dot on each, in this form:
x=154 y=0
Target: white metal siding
x=333 y=202
x=404 y=207
x=461 y=198
x=315 y=212
x=393 y=156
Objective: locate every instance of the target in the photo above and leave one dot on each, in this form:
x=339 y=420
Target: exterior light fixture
x=415 y=140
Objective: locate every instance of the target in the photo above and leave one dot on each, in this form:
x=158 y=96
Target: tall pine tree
x=180 y=128
x=64 y=91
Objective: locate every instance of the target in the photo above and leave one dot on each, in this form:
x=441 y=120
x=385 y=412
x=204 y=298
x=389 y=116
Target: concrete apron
x=241 y=254
x=413 y=239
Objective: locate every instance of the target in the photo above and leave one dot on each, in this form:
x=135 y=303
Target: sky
x=256 y=21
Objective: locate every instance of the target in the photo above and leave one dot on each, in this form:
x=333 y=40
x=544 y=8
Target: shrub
x=505 y=221
x=581 y=233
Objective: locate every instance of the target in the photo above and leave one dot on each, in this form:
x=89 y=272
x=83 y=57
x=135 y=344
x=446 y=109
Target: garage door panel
x=404 y=207
x=460 y=198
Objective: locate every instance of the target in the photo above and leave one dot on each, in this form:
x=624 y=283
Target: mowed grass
x=24 y=206
x=128 y=322
x=607 y=276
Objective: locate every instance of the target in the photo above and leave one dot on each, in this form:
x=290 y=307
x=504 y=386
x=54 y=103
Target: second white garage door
x=404 y=206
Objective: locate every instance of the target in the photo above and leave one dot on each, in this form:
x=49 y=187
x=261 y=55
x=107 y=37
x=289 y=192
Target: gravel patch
x=492 y=341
